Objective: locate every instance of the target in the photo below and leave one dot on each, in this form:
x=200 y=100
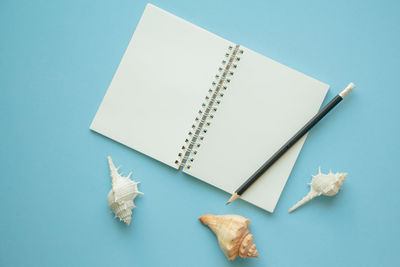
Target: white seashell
x=123 y=192
x=322 y=184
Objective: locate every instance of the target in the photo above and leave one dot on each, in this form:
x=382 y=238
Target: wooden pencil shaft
x=289 y=144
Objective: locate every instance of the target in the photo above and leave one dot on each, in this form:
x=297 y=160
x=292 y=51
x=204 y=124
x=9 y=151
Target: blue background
x=57 y=59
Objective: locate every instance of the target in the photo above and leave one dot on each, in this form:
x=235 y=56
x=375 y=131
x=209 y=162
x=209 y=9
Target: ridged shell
x=322 y=184
x=233 y=235
x=121 y=196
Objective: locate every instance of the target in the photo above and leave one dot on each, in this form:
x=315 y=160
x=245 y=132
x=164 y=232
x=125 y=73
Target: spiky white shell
x=322 y=184
x=121 y=196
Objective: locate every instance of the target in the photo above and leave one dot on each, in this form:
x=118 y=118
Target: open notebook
x=207 y=106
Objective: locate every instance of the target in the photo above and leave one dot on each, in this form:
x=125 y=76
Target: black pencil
x=291 y=142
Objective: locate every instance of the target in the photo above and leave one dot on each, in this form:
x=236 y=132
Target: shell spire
x=233 y=235
x=322 y=184
x=113 y=170
x=123 y=192
x=305 y=199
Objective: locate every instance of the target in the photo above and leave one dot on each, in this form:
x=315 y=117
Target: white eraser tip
x=347 y=90
x=351 y=86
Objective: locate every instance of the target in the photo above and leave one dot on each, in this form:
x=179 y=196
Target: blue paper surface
x=57 y=59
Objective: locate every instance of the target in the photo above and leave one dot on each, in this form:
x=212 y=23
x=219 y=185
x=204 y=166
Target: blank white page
x=159 y=85
x=266 y=104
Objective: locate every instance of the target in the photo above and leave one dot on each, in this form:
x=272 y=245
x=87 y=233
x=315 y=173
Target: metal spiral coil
x=209 y=107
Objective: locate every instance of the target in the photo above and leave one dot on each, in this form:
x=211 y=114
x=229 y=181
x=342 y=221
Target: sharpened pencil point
x=233 y=198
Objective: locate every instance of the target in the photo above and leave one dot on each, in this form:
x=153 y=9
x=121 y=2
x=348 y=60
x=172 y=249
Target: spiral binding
x=209 y=107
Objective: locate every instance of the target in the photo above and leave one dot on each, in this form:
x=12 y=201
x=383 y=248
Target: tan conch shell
x=322 y=184
x=123 y=192
x=233 y=234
